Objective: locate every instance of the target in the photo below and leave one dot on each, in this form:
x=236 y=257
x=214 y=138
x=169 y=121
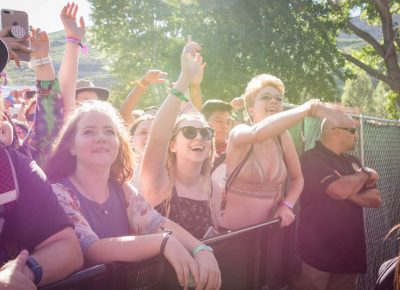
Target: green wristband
x=179 y=95
x=200 y=248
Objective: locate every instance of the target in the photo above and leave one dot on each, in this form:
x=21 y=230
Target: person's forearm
x=59 y=258
x=45 y=72
x=182 y=235
x=277 y=123
x=68 y=75
x=124 y=249
x=347 y=186
x=196 y=97
x=166 y=115
x=130 y=103
x=369 y=198
x=294 y=190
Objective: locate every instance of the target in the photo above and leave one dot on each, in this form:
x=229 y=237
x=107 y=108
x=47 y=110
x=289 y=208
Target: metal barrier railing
x=249 y=246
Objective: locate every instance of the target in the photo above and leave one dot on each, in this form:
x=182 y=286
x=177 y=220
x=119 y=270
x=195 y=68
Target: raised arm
x=275 y=124
x=195 y=88
x=132 y=100
x=154 y=178
x=49 y=113
x=68 y=73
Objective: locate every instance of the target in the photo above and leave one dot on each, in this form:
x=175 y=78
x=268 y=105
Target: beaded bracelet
x=40 y=61
x=179 y=95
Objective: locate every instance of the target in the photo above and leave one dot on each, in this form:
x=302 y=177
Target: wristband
x=179 y=95
x=200 y=248
x=40 y=61
x=36 y=269
x=141 y=84
x=164 y=242
x=83 y=47
x=287 y=204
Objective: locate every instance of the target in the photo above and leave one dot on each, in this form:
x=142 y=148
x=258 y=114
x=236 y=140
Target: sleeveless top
x=193 y=215
x=108 y=219
x=252 y=180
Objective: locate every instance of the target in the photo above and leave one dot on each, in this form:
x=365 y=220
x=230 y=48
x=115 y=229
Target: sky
x=46 y=13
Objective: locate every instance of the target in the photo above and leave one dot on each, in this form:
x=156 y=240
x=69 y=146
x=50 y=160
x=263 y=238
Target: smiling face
x=267 y=101
x=221 y=122
x=96 y=141
x=194 y=150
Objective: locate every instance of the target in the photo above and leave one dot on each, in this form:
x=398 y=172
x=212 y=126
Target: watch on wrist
x=36 y=269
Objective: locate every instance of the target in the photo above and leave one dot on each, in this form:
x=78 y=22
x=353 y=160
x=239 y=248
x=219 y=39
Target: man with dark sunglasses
x=337 y=187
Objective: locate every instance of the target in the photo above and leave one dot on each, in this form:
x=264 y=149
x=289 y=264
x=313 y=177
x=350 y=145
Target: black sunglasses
x=350 y=130
x=190 y=132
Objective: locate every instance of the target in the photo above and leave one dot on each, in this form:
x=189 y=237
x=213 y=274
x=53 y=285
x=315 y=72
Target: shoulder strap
x=218 y=161
x=236 y=171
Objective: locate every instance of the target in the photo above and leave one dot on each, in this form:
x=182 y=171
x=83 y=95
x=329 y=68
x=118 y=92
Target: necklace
x=104 y=207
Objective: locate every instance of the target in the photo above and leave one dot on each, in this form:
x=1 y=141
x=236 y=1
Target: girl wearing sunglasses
x=176 y=168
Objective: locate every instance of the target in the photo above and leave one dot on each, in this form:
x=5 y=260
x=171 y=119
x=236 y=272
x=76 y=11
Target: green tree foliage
x=378 y=57
x=291 y=39
x=360 y=92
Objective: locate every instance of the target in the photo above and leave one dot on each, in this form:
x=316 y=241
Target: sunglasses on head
x=350 y=130
x=190 y=132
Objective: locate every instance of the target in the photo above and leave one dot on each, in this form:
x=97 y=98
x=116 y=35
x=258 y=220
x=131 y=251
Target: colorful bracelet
x=84 y=47
x=287 y=204
x=201 y=247
x=179 y=95
x=40 y=61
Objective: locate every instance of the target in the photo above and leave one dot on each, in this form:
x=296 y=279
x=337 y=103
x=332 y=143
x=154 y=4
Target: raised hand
x=191 y=60
x=237 y=103
x=71 y=27
x=155 y=76
x=13 y=44
x=198 y=78
x=39 y=43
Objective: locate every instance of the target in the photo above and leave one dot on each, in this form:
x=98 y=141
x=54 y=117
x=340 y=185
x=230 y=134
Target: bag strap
x=218 y=161
x=236 y=171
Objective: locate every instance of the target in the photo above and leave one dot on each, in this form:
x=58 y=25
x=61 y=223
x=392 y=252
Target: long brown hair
x=62 y=163
x=396 y=281
x=171 y=156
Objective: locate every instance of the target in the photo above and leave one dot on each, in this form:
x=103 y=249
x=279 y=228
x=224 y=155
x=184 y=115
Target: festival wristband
x=287 y=204
x=83 y=47
x=40 y=61
x=179 y=95
x=200 y=248
x=164 y=242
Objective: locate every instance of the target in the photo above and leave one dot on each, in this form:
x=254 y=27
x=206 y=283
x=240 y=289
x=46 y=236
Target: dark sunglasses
x=190 y=132
x=350 y=130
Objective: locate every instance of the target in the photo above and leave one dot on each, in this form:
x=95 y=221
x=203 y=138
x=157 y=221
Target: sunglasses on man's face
x=190 y=132
x=350 y=130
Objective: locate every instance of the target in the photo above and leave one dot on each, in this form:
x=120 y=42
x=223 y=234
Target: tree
x=379 y=58
x=360 y=92
x=291 y=39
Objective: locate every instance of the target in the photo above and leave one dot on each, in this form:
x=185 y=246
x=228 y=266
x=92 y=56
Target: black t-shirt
x=37 y=215
x=331 y=232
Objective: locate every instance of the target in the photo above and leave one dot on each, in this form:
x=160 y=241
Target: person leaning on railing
x=91 y=165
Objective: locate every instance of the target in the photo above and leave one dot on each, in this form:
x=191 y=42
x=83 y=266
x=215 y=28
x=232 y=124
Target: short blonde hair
x=257 y=83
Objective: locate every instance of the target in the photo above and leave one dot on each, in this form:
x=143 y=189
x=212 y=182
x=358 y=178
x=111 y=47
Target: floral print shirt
x=142 y=218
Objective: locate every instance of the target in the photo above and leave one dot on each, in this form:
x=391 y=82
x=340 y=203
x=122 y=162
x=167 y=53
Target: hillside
x=92 y=66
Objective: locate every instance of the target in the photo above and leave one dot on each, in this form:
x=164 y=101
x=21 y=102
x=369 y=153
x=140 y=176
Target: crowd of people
x=128 y=184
